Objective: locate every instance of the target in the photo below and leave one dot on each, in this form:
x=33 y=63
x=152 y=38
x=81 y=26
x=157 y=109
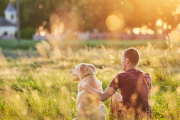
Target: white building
x=8 y=23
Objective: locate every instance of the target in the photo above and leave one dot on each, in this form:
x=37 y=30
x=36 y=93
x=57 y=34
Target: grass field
x=41 y=87
x=75 y=44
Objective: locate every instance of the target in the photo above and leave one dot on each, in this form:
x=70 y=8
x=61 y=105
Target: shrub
x=27 y=33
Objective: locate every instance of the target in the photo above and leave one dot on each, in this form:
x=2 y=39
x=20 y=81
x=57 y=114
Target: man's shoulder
x=123 y=74
x=134 y=72
x=146 y=75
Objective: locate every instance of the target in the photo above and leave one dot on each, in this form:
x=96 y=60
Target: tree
x=149 y=11
x=85 y=15
x=34 y=12
x=3 y=6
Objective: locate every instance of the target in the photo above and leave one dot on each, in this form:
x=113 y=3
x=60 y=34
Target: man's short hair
x=132 y=54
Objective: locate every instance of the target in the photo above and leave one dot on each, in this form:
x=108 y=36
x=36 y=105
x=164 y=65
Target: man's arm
x=102 y=96
x=148 y=81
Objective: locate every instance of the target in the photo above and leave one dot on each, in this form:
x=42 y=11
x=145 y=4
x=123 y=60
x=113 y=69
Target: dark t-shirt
x=134 y=86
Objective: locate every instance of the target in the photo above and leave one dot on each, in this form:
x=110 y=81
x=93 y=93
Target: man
x=134 y=86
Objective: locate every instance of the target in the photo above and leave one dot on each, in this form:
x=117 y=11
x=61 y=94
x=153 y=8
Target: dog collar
x=87 y=75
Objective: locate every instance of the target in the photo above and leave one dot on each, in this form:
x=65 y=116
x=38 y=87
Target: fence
x=101 y=36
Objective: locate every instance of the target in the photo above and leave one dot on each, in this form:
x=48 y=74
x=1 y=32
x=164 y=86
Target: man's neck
x=130 y=67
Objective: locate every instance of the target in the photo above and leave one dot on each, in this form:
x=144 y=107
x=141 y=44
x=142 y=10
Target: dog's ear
x=83 y=68
x=93 y=67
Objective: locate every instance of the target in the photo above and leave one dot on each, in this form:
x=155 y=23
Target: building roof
x=4 y=22
x=10 y=7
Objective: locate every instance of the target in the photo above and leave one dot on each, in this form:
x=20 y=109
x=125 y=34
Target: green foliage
x=3 y=6
x=90 y=14
x=27 y=33
x=29 y=44
x=24 y=45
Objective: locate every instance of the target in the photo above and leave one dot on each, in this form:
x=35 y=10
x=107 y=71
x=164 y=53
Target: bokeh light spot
x=40 y=6
x=159 y=22
x=115 y=21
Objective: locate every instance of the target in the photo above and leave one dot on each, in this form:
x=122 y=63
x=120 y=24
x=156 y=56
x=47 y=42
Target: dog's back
x=87 y=102
x=88 y=106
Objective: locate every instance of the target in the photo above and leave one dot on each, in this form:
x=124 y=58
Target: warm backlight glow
x=42 y=33
x=177 y=11
x=115 y=21
x=150 y=31
x=165 y=25
x=169 y=27
x=159 y=31
x=159 y=22
x=144 y=30
x=127 y=30
x=61 y=27
x=178 y=27
x=136 y=30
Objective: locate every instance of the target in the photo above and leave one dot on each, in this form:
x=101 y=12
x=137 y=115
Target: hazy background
x=80 y=16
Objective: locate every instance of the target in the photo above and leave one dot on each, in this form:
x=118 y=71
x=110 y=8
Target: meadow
x=39 y=85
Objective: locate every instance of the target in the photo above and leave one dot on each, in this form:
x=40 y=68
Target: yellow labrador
x=87 y=105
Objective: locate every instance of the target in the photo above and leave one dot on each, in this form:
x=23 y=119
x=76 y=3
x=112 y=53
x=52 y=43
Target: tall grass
x=42 y=87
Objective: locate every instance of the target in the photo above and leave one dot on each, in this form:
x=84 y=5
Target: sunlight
x=178 y=27
x=144 y=30
x=136 y=30
x=40 y=30
x=61 y=27
x=57 y=26
x=169 y=27
x=151 y=32
x=165 y=25
x=159 y=31
x=115 y=21
x=127 y=30
x=159 y=22
x=42 y=33
x=177 y=11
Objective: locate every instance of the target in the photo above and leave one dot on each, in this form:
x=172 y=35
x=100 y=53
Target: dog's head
x=82 y=70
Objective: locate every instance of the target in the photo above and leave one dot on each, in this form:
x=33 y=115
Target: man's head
x=130 y=58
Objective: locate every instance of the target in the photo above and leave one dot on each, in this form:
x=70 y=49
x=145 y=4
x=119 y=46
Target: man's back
x=134 y=87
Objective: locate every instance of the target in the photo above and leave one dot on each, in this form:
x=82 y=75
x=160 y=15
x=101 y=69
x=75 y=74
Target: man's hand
x=102 y=96
x=83 y=85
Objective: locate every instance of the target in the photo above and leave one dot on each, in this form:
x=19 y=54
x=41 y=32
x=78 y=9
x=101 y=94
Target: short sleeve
x=115 y=83
x=148 y=81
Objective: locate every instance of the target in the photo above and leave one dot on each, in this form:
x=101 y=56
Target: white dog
x=87 y=105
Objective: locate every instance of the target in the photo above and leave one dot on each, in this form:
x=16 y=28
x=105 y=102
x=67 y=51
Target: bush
x=27 y=33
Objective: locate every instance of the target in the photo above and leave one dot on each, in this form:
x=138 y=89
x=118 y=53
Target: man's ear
x=93 y=67
x=127 y=61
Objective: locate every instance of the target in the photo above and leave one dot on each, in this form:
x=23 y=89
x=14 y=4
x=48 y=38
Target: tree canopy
x=85 y=15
